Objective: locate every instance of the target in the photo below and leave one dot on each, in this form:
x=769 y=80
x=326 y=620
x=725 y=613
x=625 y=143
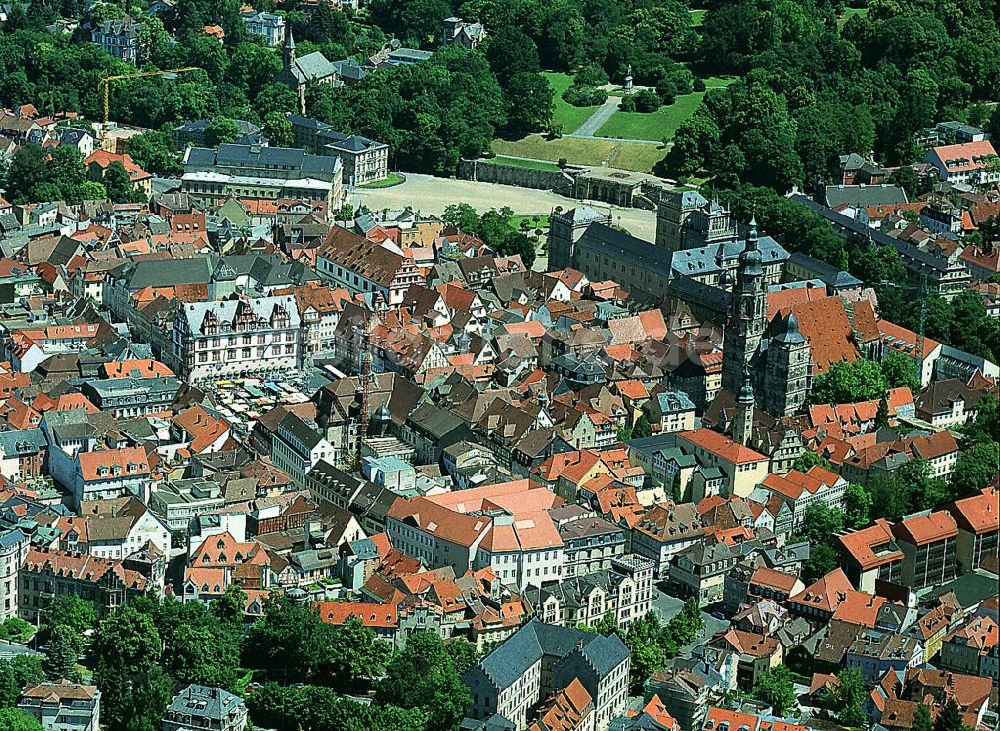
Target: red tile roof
x=113 y=463
x=873 y=546
x=825 y=593
x=103 y=159
x=979 y=513
x=824 y=323
x=859 y=608
x=783 y=299
x=657 y=713
x=81 y=567
x=750 y=643
x=926 y=528
x=966 y=156
x=145 y=368
x=773 y=579
x=371 y=615
x=722 y=446
x=904 y=341
x=737 y=720
x=565 y=711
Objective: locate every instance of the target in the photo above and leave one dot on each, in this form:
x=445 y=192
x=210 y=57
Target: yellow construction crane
x=105 y=81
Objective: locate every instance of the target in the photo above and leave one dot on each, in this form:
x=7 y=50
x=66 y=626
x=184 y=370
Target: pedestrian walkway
x=596 y=120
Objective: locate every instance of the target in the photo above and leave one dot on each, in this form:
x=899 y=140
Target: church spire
x=289 y=49
x=747 y=314
x=743 y=423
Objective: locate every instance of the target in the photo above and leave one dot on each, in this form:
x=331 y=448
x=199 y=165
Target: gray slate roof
x=314 y=66
x=864 y=195
x=200 y=701
x=536 y=639
x=845 y=225
x=141 y=274
x=22 y=441
x=254 y=157
x=830 y=275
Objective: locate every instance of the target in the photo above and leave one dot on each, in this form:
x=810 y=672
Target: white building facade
x=237 y=337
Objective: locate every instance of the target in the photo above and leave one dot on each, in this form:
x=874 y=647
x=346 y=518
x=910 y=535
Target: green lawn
x=530 y=164
x=717 y=82
x=566 y=115
x=659 y=125
x=608 y=153
x=534 y=221
x=850 y=13
x=391 y=179
x=697 y=18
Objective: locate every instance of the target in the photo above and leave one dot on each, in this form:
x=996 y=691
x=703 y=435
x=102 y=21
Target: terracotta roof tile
x=722 y=446
x=979 y=513
x=926 y=528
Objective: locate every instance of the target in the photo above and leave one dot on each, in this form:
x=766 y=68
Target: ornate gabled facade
x=687 y=220
x=625 y=591
x=233 y=337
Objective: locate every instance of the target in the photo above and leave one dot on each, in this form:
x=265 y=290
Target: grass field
x=390 y=180
x=539 y=221
x=850 y=13
x=610 y=153
x=659 y=125
x=530 y=164
x=697 y=18
x=566 y=115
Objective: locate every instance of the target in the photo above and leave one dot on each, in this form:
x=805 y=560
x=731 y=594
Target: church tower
x=747 y=316
x=291 y=73
x=289 y=50
x=743 y=421
x=788 y=372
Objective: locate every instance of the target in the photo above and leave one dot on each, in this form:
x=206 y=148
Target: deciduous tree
x=844 y=382
x=278 y=130
x=975 y=468
x=14 y=719
x=775 y=688
x=423 y=676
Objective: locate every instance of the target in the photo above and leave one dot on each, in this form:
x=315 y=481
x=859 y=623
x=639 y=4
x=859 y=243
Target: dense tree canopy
x=495 y=227
x=14 y=719
x=314 y=708
x=424 y=677
x=818 y=91
x=847 y=382
x=15 y=674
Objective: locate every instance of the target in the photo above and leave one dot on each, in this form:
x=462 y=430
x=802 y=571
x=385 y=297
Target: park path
x=589 y=129
x=596 y=120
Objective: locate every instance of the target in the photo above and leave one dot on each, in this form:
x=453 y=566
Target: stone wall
x=488 y=171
